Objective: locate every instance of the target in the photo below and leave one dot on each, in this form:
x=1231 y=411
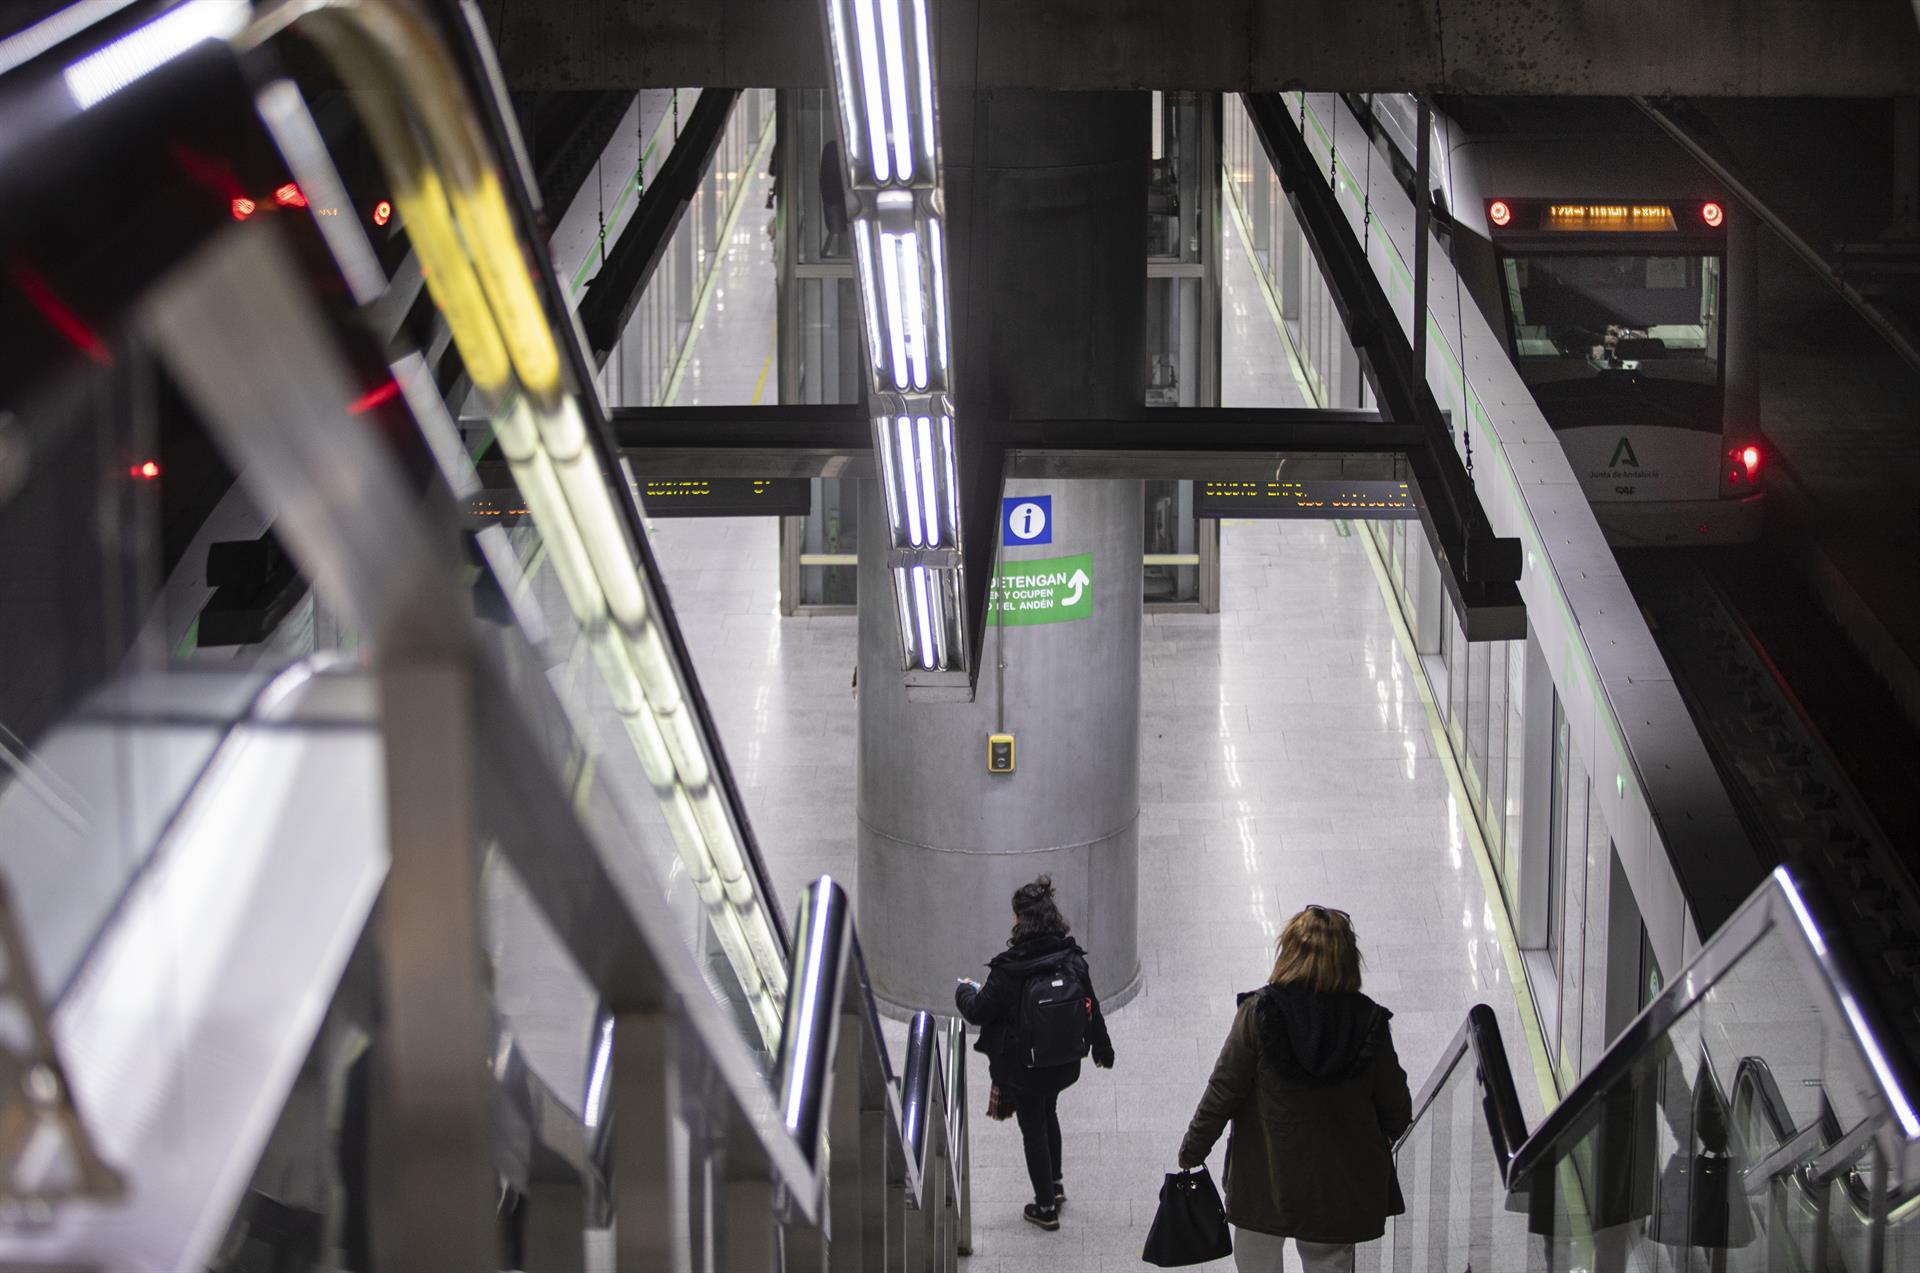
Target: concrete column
x=943 y=843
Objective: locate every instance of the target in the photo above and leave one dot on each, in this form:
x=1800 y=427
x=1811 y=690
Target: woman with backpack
x=1316 y=1097
x=1038 y=1016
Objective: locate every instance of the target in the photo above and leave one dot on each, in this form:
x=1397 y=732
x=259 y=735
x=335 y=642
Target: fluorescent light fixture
x=936 y=600
x=890 y=290
x=145 y=49
x=938 y=251
x=896 y=69
x=863 y=248
x=910 y=480
x=924 y=60
x=953 y=477
x=929 y=489
x=883 y=447
x=902 y=598
x=870 y=87
x=925 y=616
x=916 y=316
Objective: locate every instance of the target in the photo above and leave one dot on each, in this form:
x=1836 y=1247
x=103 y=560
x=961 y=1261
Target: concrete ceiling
x=1732 y=48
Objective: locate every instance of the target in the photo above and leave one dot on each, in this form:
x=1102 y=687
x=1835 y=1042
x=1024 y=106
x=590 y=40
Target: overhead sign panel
x=729 y=497
x=1304 y=500
x=498 y=501
x=1026 y=520
x=1050 y=590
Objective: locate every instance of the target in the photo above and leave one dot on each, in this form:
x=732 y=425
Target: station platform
x=426 y=783
x=1288 y=756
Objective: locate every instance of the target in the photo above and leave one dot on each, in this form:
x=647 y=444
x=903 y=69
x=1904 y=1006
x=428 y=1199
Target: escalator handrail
x=1478 y=1039
x=471 y=55
x=1779 y=903
x=828 y=966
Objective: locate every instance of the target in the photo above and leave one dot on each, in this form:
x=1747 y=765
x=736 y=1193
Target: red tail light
x=289 y=196
x=242 y=209
x=382 y=212
x=1713 y=214
x=146 y=471
x=1498 y=212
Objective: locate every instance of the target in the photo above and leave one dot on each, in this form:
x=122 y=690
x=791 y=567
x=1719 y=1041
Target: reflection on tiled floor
x=1286 y=759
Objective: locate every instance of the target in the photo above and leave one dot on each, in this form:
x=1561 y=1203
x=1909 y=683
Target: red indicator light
x=1750 y=460
x=146 y=471
x=1498 y=212
x=373 y=397
x=289 y=196
x=1713 y=214
x=382 y=212
x=242 y=209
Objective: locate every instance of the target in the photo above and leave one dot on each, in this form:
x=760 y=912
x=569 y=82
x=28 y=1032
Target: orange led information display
x=1305 y=500
x=1609 y=217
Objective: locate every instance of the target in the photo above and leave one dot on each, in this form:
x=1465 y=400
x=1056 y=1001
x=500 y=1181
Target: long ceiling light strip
x=937 y=252
x=910 y=481
x=924 y=59
x=900 y=128
x=929 y=487
x=870 y=86
x=479 y=277
x=882 y=55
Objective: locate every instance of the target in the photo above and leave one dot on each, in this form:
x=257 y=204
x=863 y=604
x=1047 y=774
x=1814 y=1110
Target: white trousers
x=1260 y=1253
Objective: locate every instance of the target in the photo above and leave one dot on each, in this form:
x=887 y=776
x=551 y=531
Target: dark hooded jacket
x=995 y=1009
x=1316 y=1098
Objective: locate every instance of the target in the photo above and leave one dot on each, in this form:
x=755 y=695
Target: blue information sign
x=1026 y=519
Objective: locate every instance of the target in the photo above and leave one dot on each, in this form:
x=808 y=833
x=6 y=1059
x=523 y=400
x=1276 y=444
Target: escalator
x=352 y=954
x=1749 y=1119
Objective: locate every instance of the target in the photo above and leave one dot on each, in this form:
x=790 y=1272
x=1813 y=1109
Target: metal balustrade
x=742 y=1111
x=1748 y=1118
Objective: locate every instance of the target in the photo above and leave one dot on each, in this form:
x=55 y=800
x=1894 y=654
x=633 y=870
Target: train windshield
x=1605 y=339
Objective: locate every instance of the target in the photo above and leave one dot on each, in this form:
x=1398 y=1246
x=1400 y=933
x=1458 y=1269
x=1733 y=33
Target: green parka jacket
x=1316 y=1098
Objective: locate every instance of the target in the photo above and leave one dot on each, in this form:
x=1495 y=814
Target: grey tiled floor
x=1286 y=759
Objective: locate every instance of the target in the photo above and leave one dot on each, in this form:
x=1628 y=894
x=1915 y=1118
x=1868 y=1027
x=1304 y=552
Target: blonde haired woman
x=1316 y=1097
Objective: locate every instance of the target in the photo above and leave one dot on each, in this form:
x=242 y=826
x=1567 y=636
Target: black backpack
x=1054 y=1010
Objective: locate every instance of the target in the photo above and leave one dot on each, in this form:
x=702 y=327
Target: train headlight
x=1713 y=214
x=1499 y=213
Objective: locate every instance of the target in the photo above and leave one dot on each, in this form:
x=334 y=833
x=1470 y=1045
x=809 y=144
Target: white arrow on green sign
x=1049 y=590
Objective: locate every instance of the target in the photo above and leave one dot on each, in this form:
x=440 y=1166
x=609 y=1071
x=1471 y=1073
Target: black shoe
x=1047 y=1218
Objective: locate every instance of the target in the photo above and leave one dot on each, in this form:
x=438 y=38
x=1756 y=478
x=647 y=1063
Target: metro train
x=1625 y=282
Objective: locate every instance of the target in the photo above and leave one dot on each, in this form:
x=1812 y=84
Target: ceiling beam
x=1729 y=48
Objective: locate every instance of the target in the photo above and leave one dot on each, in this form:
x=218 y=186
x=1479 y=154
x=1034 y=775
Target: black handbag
x=1191 y=1226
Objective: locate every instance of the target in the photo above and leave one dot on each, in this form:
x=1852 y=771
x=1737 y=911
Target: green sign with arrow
x=1050 y=590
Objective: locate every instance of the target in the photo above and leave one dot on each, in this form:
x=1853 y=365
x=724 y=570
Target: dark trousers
x=1038 y=1113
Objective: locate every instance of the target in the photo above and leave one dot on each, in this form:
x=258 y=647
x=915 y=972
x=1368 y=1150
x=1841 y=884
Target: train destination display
x=498 y=502
x=729 y=497
x=1309 y=498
